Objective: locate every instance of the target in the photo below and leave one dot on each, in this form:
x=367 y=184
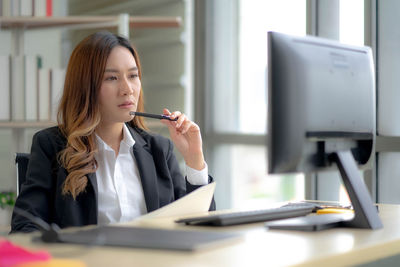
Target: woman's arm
x=182 y=186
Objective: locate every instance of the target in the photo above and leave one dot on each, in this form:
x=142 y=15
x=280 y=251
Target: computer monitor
x=321 y=113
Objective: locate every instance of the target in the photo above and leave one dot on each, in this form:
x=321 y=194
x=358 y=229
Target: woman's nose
x=126 y=87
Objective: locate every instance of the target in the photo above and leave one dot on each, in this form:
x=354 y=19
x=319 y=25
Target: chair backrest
x=21 y=163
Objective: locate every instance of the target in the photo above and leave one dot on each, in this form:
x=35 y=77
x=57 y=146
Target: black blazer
x=41 y=194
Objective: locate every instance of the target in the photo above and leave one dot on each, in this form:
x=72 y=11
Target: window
x=256 y=18
x=351 y=31
x=351 y=22
x=236 y=80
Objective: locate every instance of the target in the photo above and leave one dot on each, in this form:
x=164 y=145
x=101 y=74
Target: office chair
x=21 y=164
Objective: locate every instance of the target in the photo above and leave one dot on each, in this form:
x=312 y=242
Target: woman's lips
x=126 y=105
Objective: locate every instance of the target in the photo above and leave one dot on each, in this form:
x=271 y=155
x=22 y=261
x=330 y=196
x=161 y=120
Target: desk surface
x=259 y=247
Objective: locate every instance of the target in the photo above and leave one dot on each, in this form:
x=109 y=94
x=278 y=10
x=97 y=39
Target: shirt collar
x=101 y=145
x=126 y=140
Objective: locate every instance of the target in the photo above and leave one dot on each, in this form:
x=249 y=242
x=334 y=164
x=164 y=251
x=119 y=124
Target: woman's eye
x=111 y=78
x=133 y=76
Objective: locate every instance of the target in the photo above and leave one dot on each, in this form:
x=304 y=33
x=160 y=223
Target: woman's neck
x=111 y=134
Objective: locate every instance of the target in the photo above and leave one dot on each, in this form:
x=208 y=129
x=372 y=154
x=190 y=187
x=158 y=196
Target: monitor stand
x=365 y=213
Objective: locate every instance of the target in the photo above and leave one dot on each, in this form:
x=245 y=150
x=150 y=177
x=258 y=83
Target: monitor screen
x=321 y=98
x=321 y=105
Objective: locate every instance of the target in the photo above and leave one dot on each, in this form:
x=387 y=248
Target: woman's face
x=120 y=88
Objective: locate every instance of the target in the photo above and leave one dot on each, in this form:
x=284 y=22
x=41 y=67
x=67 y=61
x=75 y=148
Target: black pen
x=154 y=116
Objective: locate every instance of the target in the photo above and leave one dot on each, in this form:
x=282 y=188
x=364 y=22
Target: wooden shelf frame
x=87 y=22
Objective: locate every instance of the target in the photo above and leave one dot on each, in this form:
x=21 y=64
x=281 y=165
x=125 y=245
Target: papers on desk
x=195 y=202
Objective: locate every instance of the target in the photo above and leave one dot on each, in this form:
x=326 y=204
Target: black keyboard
x=252 y=216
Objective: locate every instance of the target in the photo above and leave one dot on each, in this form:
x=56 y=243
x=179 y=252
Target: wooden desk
x=259 y=247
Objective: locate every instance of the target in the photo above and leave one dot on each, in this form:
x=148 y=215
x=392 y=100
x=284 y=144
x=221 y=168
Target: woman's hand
x=187 y=138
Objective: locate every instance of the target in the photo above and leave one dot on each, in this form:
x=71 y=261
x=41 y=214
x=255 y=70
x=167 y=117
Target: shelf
x=70 y=21
x=26 y=124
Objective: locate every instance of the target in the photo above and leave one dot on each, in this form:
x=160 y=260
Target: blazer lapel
x=147 y=171
x=93 y=180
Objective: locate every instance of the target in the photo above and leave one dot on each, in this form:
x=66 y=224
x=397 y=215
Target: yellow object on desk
x=334 y=210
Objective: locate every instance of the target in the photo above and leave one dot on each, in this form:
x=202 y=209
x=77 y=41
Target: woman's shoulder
x=51 y=135
x=51 y=132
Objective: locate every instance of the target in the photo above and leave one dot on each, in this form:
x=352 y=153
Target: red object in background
x=49 y=8
x=11 y=254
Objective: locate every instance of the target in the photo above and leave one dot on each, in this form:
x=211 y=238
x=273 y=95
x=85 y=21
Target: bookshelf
x=18 y=25
x=87 y=22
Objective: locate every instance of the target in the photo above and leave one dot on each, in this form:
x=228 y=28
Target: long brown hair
x=78 y=113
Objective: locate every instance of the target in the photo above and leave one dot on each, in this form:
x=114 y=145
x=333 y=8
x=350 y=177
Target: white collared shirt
x=120 y=191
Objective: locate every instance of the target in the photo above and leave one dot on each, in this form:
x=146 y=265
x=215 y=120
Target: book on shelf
x=49 y=8
x=6 y=8
x=44 y=94
x=57 y=87
x=5 y=87
x=16 y=8
x=43 y=8
x=17 y=85
x=29 y=92
x=26 y=8
x=32 y=65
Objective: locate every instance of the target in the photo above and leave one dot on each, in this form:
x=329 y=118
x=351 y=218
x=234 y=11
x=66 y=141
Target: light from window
x=253 y=187
x=351 y=22
x=351 y=31
x=257 y=17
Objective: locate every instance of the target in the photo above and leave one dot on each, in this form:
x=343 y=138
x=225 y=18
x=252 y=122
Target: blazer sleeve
x=182 y=186
x=36 y=193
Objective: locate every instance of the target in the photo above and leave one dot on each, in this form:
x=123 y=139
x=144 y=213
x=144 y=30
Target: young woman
x=100 y=165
